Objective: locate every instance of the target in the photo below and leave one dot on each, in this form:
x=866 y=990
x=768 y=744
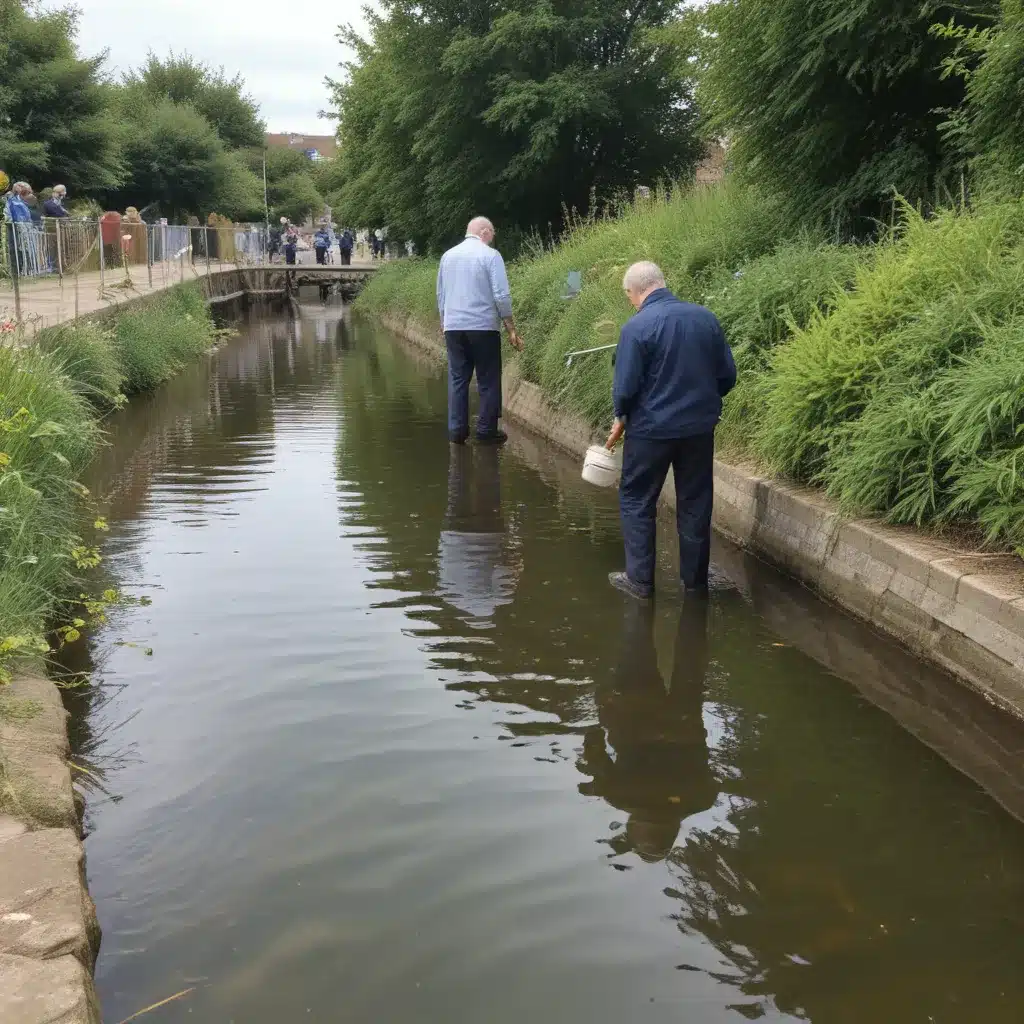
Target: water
x=400 y=754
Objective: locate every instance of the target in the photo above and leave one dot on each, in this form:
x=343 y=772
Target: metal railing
x=113 y=253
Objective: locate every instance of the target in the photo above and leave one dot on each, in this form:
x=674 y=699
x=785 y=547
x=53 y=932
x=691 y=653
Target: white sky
x=282 y=50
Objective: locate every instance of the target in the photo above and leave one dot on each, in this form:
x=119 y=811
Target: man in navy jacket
x=672 y=370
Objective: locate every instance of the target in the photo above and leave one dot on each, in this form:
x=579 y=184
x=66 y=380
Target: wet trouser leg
x=693 y=466
x=487 y=359
x=645 y=466
x=460 y=373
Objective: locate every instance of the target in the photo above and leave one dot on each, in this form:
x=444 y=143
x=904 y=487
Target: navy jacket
x=54 y=208
x=672 y=369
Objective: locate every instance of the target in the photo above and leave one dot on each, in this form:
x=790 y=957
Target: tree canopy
x=292 y=190
x=222 y=101
x=56 y=122
x=516 y=109
x=836 y=102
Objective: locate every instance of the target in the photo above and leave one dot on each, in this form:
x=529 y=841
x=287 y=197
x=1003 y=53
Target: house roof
x=325 y=145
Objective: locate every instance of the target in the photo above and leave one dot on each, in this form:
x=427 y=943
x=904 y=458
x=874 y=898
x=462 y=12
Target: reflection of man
x=471 y=570
x=659 y=773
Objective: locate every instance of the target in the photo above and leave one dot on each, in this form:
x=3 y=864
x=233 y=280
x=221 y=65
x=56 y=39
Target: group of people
x=284 y=240
x=673 y=367
x=23 y=215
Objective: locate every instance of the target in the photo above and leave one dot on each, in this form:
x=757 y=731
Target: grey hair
x=477 y=226
x=62 y=189
x=643 y=276
x=21 y=186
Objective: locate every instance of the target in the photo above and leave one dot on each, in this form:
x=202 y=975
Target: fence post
x=76 y=291
x=16 y=276
x=206 y=242
x=186 y=249
x=149 y=257
x=60 y=255
x=103 y=255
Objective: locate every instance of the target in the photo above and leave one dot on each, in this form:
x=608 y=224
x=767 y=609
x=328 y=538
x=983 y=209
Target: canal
x=385 y=747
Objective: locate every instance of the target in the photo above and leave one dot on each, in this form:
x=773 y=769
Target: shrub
x=88 y=358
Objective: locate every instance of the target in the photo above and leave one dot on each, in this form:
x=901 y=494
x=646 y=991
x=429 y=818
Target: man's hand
x=514 y=340
x=618 y=429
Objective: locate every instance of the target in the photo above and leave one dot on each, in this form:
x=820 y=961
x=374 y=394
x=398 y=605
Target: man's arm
x=726 y=364
x=440 y=291
x=502 y=293
x=629 y=370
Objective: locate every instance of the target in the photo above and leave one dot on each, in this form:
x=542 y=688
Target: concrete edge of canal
x=961 y=610
x=49 y=935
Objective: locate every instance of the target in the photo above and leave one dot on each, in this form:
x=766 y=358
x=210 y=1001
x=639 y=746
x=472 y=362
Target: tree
x=291 y=189
x=222 y=101
x=178 y=163
x=836 y=102
x=512 y=108
x=55 y=108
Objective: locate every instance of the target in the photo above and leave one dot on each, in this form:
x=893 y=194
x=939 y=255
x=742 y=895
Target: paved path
x=52 y=300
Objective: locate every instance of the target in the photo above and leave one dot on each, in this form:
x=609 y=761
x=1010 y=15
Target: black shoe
x=498 y=437
x=620 y=581
x=457 y=438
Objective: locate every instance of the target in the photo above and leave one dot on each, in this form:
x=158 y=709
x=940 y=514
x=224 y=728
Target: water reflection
x=475 y=573
x=399 y=740
x=648 y=755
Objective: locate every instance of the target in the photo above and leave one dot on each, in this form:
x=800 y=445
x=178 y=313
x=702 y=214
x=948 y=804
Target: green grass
x=891 y=375
x=53 y=392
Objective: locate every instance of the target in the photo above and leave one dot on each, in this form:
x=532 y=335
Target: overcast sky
x=282 y=50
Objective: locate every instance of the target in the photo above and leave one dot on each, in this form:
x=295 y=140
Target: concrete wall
x=959 y=609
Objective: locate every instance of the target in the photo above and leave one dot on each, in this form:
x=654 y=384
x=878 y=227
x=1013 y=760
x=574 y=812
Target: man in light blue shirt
x=473 y=300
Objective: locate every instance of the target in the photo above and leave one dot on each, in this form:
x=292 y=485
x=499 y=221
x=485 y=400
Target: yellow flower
x=4 y=182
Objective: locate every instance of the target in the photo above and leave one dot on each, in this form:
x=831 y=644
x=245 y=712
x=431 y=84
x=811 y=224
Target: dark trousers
x=289 y=254
x=469 y=351
x=321 y=255
x=645 y=466
x=346 y=257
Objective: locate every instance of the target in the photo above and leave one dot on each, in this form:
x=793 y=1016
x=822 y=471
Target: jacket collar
x=659 y=295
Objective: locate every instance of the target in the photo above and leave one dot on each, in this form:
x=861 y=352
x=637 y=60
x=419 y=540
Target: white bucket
x=601 y=467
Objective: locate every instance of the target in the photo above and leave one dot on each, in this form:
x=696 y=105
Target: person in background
x=54 y=206
x=345 y=244
x=290 y=238
x=673 y=367
x=473 y=300
x=19 y=218
x=322 y=244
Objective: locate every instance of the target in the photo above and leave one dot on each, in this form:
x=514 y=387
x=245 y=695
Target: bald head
x=482 y=228
x=640 y=280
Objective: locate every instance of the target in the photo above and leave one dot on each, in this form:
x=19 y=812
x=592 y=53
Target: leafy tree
x=507 y=107
x=989 y=128
x=291 y=186
x=178 y=163
x=55 y=110
x=835 y=102
x=222 y=101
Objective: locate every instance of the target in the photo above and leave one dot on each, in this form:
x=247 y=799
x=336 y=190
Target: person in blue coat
x=19 y=219
x=673 y=367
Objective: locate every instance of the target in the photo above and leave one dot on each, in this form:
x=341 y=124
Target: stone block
x=45 y=910
x=58 y=991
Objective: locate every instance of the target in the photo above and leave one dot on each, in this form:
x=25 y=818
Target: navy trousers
x=645 y=466
x=469 y=351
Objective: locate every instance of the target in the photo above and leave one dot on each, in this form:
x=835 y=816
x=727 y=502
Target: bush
x=155 y=341
x=88 y=359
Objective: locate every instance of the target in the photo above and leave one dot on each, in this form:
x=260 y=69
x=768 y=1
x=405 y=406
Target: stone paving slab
x=56 y=991
x=45 y=911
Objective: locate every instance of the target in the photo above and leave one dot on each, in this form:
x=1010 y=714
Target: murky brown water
x=400 y=754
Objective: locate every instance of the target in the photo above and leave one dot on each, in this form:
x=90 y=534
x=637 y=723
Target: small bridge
x=347 y=280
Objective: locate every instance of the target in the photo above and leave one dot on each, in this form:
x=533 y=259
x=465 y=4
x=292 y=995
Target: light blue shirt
x=472 y=288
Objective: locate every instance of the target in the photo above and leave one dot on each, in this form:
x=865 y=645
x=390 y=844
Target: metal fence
x=110 y=250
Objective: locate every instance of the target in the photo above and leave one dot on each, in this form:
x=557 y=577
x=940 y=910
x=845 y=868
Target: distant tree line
x=173 y=138
x=524 y=110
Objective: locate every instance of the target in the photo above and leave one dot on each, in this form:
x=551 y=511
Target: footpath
x=959 y=609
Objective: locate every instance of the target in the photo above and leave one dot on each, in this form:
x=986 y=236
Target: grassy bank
x=56 y=391
x=892 y=375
